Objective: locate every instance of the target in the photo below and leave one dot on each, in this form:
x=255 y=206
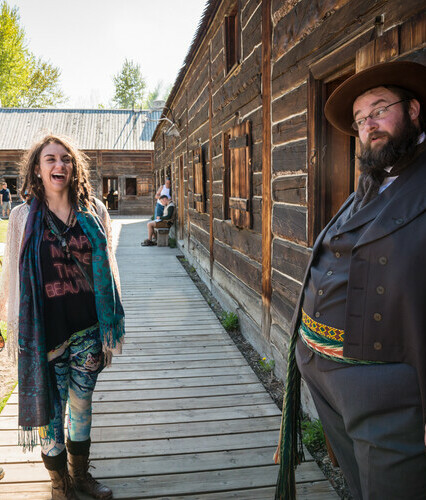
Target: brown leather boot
x=78 y=457
x=83 y=480
x=62 y=487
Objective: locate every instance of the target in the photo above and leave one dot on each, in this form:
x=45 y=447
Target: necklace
x=60 y=235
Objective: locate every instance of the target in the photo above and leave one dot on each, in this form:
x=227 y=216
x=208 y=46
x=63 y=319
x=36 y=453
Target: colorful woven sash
x=326 y=341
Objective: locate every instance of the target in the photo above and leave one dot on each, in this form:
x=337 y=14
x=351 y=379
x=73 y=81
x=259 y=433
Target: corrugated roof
x=112 y=129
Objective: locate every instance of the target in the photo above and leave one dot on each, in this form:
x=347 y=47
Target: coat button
x=398 y=222
x=377 y=346
x=317 y=314
x=329 y=273
x=377 y=317
x=320 y=292
x=383 y=261
x=337 y=254
x=380 y=290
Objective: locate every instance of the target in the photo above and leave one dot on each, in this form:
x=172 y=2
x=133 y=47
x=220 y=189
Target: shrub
x=313 y=435
x=229 y=321
x=172 y=242
x=267 y=364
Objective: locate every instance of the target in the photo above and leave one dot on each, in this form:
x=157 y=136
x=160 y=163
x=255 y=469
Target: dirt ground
x=274 y=386
x=8 y=374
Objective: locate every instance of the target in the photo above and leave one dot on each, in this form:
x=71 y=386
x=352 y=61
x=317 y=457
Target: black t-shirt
x=6 y=194
x=69 y=303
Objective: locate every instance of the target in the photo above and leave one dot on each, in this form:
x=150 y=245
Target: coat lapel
x=408 y=202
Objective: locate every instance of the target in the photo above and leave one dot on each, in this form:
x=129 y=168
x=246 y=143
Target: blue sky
x=89 y=40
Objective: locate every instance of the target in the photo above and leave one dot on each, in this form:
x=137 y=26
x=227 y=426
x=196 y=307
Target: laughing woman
x=60 y=295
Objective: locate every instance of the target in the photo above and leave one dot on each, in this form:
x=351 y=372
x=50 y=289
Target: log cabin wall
x=132 y=169
x=300 y=168
x=9 y=171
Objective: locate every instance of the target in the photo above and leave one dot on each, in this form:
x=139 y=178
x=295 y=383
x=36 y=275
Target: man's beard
x=374 y=161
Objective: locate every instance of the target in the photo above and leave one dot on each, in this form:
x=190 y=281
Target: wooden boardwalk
x=179 y=414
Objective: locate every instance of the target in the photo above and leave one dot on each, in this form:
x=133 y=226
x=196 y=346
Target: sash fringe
x=28 y=438
x=290 y=446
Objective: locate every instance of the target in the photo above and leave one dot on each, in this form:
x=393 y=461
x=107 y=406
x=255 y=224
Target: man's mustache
x=376 y=135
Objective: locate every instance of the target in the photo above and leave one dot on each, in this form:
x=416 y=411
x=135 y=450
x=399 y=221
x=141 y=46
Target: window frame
x=232 y=39
x=322 y=140
x=126 y=185
x=238 y=176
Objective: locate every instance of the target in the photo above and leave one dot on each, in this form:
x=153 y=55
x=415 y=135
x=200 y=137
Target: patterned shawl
x=35 y=385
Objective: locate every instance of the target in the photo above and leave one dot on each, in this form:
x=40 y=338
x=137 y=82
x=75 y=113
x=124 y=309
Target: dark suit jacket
x=386 y=299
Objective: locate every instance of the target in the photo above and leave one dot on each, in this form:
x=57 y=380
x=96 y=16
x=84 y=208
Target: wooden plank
x=161 y=447
x=171 y=485
x=173 y=430
x=154 y=394
x=136 y=466
x=166 y=417
x=104 y=407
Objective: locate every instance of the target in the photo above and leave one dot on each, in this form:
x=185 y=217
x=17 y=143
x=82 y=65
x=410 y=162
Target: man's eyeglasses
x=376 y=114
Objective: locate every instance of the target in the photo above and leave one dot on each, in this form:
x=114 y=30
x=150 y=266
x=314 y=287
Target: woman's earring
x=39 y=176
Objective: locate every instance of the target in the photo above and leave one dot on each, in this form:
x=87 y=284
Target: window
x=237 y=182
x=232 y=39
x=143 y=187
x=331 y=159
x=110 y=192
x=130 y=186
x=11 y=185
x=199 y=181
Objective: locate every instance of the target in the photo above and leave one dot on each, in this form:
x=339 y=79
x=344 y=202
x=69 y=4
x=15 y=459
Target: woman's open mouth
x=58 y=177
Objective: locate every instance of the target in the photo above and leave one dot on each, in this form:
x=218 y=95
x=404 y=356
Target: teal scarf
x=108 y=303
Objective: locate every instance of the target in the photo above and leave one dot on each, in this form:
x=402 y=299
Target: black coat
x=386 y=297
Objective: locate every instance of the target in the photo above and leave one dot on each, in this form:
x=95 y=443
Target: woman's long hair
x=80 y=189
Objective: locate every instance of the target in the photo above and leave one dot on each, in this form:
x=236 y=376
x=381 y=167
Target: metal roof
x=91 y=129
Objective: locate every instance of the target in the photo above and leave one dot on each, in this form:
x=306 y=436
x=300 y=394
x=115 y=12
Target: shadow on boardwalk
x=179 y=414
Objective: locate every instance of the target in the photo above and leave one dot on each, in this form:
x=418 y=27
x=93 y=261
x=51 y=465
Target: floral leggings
x=75 y=366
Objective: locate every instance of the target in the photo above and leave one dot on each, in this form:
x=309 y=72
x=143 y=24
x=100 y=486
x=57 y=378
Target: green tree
x=43 y=88
x=129 y=86
x=24 y=79
x=14 y=70
x=152 y=96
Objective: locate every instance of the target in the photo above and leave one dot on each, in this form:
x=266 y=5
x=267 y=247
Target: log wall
x=259 y=271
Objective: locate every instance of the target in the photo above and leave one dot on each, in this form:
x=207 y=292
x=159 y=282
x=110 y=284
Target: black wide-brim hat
x=405 y=74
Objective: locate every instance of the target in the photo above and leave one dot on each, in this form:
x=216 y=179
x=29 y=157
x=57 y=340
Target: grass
x=229 y=321
x=3 y=328
x=313 y=435
x=267 y=364
x=3 y=230
x=6 y=398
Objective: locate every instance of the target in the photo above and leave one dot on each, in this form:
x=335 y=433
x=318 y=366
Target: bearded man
x=359 y=329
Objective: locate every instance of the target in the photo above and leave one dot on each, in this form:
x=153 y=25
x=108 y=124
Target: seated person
x=159 y=209
x=165 y=220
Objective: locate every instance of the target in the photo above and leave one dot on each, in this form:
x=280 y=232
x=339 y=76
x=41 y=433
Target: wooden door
x=180 y=198
x=239 y=203
x=199 y=188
